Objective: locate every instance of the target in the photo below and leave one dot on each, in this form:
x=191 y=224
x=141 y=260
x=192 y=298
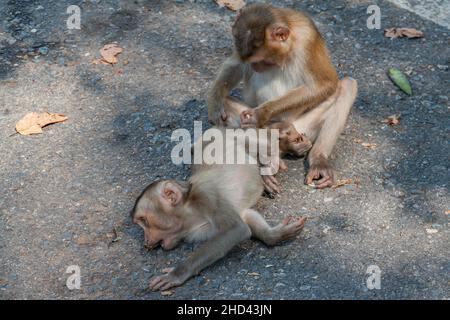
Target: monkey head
x=156 y=212
x=290 y=140
x=261 y=36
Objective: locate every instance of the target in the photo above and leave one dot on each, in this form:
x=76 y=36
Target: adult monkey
x=288 y=76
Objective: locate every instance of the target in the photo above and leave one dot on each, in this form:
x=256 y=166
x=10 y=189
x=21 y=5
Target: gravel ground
x=66 y=194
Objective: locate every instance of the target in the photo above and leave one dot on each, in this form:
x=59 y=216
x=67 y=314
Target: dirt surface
x=66 y=194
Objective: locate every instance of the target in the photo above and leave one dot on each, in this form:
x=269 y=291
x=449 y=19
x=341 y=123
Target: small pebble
x=43 y=51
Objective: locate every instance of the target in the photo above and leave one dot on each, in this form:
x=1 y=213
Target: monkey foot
x=291 y=227
x=164 y=282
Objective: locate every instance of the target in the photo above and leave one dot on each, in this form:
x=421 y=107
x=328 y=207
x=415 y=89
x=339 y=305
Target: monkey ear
x=172 y=193
x=280 y=32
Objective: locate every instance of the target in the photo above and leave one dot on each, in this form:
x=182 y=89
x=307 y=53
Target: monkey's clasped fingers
x=248 y=119
x=320 y=178
x=271 y=184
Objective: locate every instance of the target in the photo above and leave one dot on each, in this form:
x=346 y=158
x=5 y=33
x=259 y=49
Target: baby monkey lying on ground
x=213 y=206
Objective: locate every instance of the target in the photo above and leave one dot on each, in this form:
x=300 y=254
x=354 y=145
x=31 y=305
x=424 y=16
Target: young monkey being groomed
x=216 y=211
x=287 y=76
x=291 y=142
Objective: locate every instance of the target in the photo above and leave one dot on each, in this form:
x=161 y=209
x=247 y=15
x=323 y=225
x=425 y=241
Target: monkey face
x=159 y=229
x=259 y=38
x=155 y=213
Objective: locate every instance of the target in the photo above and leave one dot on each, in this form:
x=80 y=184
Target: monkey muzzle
x=261 y=66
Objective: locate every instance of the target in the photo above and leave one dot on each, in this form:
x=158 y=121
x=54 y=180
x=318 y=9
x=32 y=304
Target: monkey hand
x=249 y=119
x=217 y=115
x=166 y=281
x=320 y=175
x=271 y=184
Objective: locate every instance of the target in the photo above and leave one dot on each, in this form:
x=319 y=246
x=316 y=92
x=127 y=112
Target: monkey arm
x=213 y=250
x=209 y=252
x=301 y=99
x=230 y=74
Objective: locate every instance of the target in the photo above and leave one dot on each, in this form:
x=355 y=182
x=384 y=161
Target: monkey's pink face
x=158 y=231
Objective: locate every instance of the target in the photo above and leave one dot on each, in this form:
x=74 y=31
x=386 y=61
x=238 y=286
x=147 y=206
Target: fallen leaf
x=400 y=80
x=357 y=141
x=369 y=145
x=33 y=122
x=431 y=231
x=341 y=183
x=392 y=120
x=109 y=54
x=99 y=61
x=394 y=33
x=167 y=293
x=253 y=274
x=231 y=4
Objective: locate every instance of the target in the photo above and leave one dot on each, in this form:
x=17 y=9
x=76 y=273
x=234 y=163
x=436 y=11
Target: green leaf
x=400 y=80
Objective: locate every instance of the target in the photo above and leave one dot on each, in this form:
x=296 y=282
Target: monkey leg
x=323 y=125
x=286 y=229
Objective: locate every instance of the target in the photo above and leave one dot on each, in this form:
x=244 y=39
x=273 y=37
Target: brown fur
x=288 y=78
x=213 y=206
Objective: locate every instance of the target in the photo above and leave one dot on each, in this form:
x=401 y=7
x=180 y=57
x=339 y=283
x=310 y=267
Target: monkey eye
x=144 y=221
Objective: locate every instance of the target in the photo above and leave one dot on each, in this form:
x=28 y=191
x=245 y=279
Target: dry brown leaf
x=253 y=274
x=394 y=33
x=109 y=52
x=392 y=120
x=369 y=145
x=341 y=183
x=167 y=293
x=33 y=122
x=99 y=61
x=357 y=141
x=231 y=4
